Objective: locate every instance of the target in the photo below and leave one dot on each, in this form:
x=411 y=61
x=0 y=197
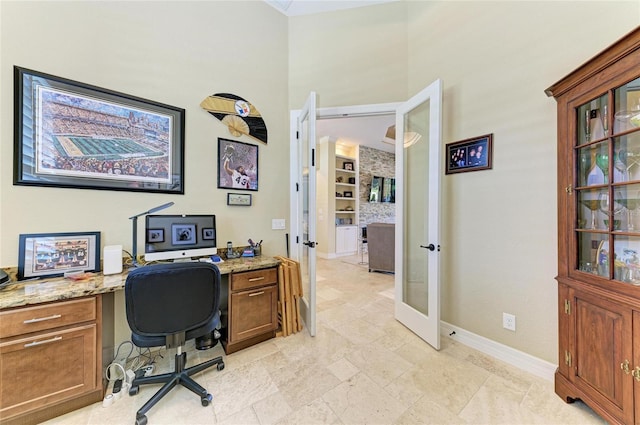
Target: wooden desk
x=68 y=326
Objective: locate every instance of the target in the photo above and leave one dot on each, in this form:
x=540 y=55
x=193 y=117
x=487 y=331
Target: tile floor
x=363 y=367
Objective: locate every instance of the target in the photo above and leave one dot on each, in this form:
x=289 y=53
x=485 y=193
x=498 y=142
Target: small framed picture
x=348 y=166
x=54 y=254
x=240 y=199
x=155 y=235
x=469 y=155
x=208 y=234
x=183 y=234
x=348 y=194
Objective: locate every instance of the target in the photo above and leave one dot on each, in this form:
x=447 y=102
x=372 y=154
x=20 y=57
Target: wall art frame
x=54 y=254
x=239 y=199
x=237 y=165
x=472 y=154
x=75 y=135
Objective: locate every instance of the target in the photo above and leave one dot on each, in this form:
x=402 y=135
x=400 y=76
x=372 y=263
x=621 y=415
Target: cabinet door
x=66 y=358
x=253 y=312
x=602 y=344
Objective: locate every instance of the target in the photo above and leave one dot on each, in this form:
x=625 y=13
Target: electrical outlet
x=509 y=321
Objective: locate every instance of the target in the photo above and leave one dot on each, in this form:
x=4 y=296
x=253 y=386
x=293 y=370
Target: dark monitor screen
x=179 y=236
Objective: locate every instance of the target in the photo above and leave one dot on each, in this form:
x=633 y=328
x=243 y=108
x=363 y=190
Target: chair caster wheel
x=206 y=400
x=220 y=366
x=134 y=390
x=141 y=420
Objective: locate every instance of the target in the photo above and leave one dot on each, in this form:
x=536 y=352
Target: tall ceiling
x=308 y=7
x=362 y=130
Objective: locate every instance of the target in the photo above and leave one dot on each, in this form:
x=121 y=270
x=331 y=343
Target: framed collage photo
x=74 y=135
x=469 y=155
x=54 y=254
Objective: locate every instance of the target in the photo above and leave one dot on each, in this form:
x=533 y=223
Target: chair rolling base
x=181 y=376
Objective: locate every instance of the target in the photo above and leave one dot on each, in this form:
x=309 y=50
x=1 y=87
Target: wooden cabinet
x=50 y=359
x=599 y=232
x=253 y=308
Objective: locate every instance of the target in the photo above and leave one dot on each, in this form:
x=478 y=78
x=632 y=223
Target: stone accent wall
x=374 y=162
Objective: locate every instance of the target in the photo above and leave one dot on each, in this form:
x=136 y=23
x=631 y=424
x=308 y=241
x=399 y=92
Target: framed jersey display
x=237 y=165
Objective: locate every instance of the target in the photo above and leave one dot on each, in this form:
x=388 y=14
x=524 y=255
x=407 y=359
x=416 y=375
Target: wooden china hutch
x=599 y=232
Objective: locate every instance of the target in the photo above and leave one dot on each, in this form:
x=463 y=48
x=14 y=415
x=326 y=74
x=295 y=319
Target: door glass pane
x=627 y=160
x=627 y=259
x=593 y=164
x=592 y=209
x=629 y=198
x=416 y=189
x=592 y=255
x=627 y=107
x=593 y=120
x=304 y=263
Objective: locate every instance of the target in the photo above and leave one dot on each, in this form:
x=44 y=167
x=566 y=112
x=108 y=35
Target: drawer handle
x=42 y=319
x=46 y=341
x=256 y=293
x=254 y=279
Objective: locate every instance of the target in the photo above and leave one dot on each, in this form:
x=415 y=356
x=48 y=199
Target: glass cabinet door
x=607 y=184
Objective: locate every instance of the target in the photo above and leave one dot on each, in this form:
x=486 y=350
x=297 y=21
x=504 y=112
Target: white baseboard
x=519 y=359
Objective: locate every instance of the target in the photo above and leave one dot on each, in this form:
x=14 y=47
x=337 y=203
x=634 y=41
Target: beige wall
x=170 y=52
x=495 y=60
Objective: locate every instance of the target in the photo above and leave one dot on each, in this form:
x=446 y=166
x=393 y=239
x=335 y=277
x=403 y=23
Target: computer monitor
x=173 y=237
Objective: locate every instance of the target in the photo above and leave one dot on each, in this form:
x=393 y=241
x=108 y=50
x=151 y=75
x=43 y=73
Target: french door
x=306 y=143
x=417 y=274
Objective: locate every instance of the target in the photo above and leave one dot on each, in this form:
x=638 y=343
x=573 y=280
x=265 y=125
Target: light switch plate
x=278 y=224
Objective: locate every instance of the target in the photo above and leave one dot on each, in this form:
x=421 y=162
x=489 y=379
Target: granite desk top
x=27 y=292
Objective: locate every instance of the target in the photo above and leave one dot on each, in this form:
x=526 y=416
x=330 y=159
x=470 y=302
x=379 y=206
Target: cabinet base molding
x=233 y=347
x=49 y=412
x=569 y=393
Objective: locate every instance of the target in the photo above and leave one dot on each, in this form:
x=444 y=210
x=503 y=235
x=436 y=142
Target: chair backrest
x=165 y=299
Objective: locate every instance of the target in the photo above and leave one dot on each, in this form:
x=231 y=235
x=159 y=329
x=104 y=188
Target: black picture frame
x=75 y=135
x=348 y=194
x=472 y=154
x=155 y=235
x=54 y=254
x=237 y=165
x=347 y=166
x=239 y=199
x=183 y=234
x=208 y=233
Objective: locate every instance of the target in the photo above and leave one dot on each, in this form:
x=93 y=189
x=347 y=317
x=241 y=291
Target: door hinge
x=297 y=187
x=567 y=307
x=625 y=367
x=313 y=157
x=297 y=239
x=569 y=189
x=297 y=135
x=567 y=358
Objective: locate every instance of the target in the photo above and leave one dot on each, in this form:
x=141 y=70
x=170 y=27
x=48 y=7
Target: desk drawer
x=253 y=279
x=33 y=319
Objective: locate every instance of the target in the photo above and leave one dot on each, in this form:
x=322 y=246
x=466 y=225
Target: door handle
x=310 y=244
x=430 y=247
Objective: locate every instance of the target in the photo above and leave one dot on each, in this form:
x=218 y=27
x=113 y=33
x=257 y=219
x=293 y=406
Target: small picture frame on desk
x=54 y=254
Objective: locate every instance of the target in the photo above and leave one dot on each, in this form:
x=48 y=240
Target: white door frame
x=323 y=113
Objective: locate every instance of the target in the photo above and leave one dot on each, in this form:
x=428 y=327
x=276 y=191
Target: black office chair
x=168 y=304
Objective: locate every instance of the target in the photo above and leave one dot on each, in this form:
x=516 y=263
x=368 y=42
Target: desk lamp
x=135 y=230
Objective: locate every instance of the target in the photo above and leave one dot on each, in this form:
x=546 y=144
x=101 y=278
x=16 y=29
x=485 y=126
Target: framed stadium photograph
x=54 y=254
x=237 y=165
x=74 y=135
